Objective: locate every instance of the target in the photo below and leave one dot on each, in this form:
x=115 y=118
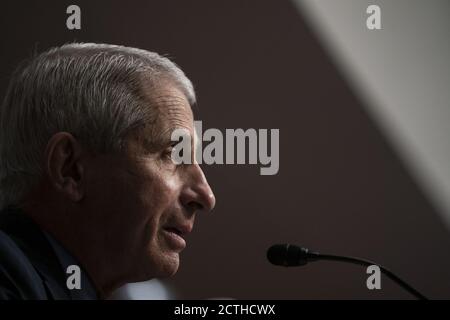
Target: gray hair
x=93 y=91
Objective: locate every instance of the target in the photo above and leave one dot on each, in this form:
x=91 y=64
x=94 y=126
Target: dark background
x=340 y=189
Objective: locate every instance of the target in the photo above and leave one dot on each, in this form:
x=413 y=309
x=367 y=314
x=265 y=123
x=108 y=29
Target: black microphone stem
x=363 y=262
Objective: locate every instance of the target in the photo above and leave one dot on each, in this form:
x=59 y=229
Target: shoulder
x=18 y=277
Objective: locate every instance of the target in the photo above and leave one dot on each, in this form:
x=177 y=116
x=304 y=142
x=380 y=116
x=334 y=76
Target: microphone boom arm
x=289 y=255
x=318 y=256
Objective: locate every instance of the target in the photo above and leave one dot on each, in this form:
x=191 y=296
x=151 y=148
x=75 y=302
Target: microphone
x=288 y=255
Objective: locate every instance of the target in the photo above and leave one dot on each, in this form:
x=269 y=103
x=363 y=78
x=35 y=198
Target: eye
x=167 y=153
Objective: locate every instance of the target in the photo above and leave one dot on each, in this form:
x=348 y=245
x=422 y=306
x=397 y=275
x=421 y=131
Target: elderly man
x=87 y=183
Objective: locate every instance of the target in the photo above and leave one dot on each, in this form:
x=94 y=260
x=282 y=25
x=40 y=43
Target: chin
x=170 y=265
x=162 y=266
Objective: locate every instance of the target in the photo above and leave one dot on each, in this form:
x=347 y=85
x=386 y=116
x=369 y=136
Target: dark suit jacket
x=29 y=267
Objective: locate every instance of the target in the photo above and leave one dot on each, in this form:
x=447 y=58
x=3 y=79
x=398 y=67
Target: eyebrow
x=155 y=142
x=158 y=140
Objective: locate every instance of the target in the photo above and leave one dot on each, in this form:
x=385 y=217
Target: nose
x=197 y=194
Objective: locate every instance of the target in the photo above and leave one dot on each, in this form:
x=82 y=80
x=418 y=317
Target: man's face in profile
x=147 y=203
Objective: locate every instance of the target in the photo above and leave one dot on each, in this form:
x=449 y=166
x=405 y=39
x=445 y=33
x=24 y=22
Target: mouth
x=174 y=230
x=175 y=234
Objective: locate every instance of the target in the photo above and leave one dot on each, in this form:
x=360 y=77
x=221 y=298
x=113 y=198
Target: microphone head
x=287 y=255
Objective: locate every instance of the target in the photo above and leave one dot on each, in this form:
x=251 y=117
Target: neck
x=88 y=246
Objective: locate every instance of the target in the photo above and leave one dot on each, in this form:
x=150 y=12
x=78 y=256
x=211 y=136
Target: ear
x=65 y=169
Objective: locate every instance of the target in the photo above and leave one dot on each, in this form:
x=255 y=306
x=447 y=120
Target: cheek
x=155 y=196
x=158 y=200
x=123 y=201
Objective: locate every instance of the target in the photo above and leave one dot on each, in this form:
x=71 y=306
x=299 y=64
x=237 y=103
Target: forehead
x=168 y=109
x=169 y=105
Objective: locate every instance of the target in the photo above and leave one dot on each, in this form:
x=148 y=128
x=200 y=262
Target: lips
x=174 y=230
x=175 y=233
x=179 y=229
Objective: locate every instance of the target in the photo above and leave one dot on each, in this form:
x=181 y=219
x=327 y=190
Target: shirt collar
x=87 y=290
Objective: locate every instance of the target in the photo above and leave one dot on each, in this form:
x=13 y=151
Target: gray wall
x=401 y=73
